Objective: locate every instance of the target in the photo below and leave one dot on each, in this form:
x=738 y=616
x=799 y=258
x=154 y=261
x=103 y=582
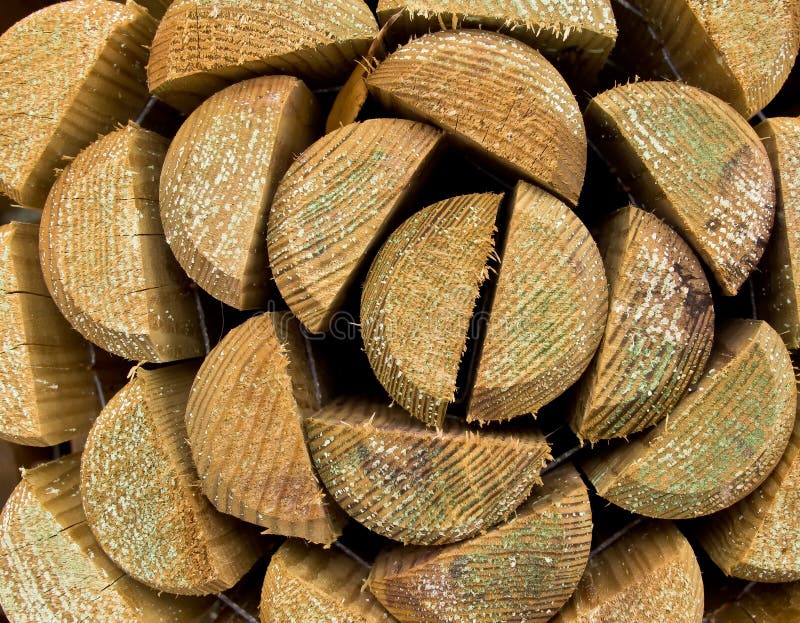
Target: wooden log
x=334 y=206
x=13 y=458
x=521 y=571
x=245 y=423
x=202 y=46
x=719 y=443
x=762 y=603
x=741 y=51
x=142 y=496
x=778 y=283
x=758 y=539
x=418 y=300
x=219 y=176
x=104 y=257
x=53 y=569
x=693 y=160
x=575 y=35
x=69 y=72
x=659 y=332
x=650 y=574
x=313 y=585
x=513 y=107
x=548 y=312
x=416 y=485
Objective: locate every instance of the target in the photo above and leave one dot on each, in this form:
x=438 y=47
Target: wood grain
x=719 y=443
x=68 y=72
x=104 y=257
x=696 y=163
x=418 y=301
x=548 y=311
x=512 y=106
x=53 y=569
x=202 y=46
x=142 y=495
x=650 y=574
x=416 y=485
x=245 y=423
x=659 y=332
x=309 y=584
x=521 y=571
x=218 y=179
x=778 y=281
x=762 y=603
x=334 y=206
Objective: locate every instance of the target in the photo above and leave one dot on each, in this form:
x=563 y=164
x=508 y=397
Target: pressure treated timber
x=548 y=312
x=418 y=300
x=762 y=603
x=334 y=205
x=520 y=571
x=53 y=569
x=202 y=46
x=142 y=496
x=416 y=485
x=314 y=585
x=778 y=281
x=649 y=574
x=512 y=105
x=218 y=179
x=69 y=72
x=245 y=424
x=659 y=332
x=719 y=443
x=696 y=163
x=575 y=35
x=104 y=257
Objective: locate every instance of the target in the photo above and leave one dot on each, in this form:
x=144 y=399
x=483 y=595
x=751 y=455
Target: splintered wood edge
x=659 y=332
x=417 y=485
x=334 y=206
x=420 y=284
x=548 y=311
x=524 y=569
x=219 y=177
x=649 y=574
x=143 y=501
x=688 y=465
x=259 y=482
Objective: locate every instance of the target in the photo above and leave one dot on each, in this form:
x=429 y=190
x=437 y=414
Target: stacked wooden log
x=429 y=312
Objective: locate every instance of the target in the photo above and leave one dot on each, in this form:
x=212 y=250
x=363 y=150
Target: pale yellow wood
x=719 y=443
x=68 y=72
x=142 y=495
x=218 y=179
x=762 y=603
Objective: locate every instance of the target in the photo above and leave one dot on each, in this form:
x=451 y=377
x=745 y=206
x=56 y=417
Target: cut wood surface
x=575 y=35
x=52 y=568
x=512 y=104
x=202 y=46
x=758 y=539
x=778 y=281
x=649 y=574
x=696 y=163
x=219 y=177
x=521 y=571
x=69 y=72
x=659 y=331
x=719 y=443
x=333 y=208
x=418 y=300
x=49 y=391
x=245 y=423
x=548 y=312
x=142 y=496
x=314 y=585
x=416 y=485
x=739 y=50
x=104 y=257
x=762 y=603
